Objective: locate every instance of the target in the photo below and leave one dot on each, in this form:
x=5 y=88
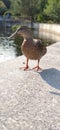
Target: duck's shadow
x=52 y=77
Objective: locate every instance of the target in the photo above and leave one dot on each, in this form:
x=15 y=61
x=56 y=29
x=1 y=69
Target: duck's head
x=23 y=31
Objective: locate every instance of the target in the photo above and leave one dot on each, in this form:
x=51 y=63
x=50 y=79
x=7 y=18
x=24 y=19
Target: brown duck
x=32 y=48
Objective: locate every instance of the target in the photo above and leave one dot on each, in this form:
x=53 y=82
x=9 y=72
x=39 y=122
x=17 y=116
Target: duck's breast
x=32 y=49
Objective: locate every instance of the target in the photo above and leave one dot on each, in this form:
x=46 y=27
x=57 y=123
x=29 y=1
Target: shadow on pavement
x=52 y=77
x=55 y=93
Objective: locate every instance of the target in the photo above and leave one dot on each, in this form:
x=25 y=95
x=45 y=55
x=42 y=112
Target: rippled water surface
x=7 y=49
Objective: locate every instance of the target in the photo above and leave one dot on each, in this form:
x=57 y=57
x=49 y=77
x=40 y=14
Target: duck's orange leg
x=26 y=67
x=37 y=67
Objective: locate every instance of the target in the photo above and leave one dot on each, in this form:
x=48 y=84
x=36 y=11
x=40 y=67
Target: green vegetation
x=36 y=10
x=2 y=7
x=52 y=10
x=18 y=41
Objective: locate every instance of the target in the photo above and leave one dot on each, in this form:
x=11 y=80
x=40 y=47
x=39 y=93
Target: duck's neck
x=28 y=38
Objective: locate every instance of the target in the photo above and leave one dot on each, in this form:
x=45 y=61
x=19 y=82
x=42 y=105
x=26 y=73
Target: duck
x=32 y=49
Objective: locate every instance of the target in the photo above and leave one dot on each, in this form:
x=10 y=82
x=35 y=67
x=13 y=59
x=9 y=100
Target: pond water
x=9 y=50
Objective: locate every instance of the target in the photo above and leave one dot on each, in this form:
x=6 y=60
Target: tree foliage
x=6 y=2
x=2 y=7
x=40 y=10
x=25 y=7
x=52 y=10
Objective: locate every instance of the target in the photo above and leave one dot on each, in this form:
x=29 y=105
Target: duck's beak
x=13 y=35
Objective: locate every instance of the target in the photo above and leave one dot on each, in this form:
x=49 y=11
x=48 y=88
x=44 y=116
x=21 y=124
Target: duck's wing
x=40 y=46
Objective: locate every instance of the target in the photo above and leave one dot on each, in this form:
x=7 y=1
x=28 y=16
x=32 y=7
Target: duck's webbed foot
x=37 y=68
x=26 y=67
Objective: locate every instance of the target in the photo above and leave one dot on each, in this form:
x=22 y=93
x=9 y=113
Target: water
x=7 y=49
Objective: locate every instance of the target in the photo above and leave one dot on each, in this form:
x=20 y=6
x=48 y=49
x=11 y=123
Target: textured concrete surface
x=30 y=100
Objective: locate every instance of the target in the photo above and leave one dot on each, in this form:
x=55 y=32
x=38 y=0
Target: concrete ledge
x=30 y=100
x=49 y=31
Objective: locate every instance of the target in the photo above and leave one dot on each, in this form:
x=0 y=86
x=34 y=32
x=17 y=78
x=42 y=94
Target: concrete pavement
x=30 y=100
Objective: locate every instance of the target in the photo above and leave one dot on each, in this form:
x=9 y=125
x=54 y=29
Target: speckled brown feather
x=33 y=49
